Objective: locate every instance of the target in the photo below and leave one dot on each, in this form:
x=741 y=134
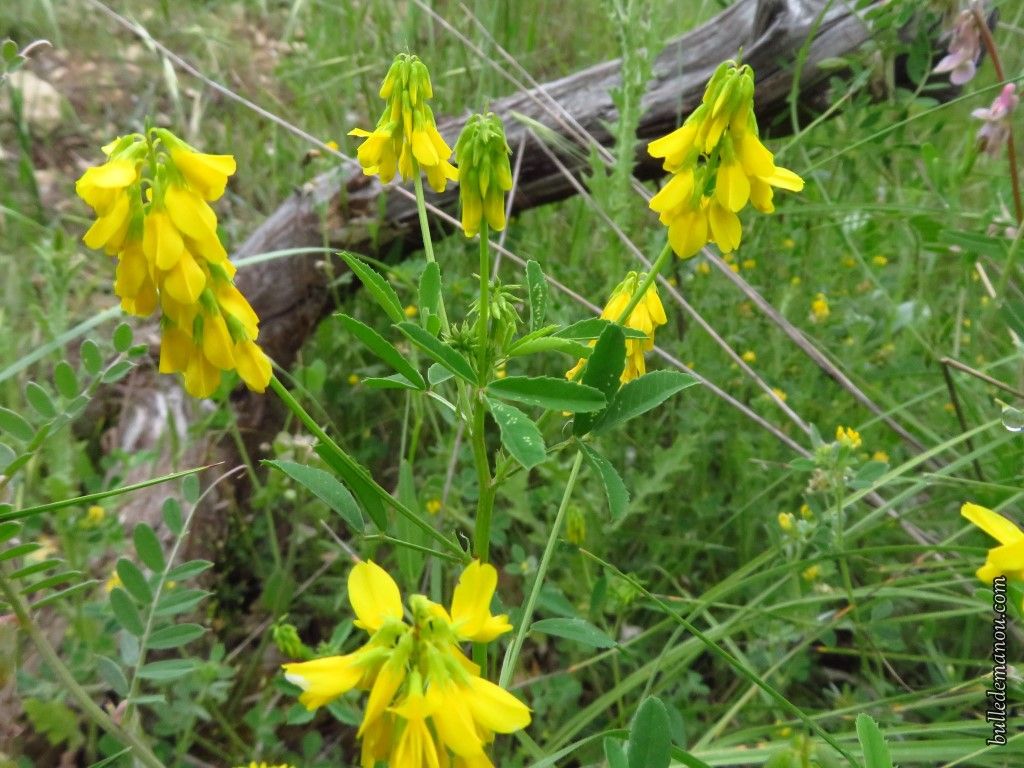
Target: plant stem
x=1011 y=149
x=354 y=467
x=428 y=244
x=638 y=295
x=483 y=316
x=486 y=491
x=140 y=749
x=512 y=655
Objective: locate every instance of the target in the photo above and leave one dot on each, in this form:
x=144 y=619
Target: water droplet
x=1013 y=419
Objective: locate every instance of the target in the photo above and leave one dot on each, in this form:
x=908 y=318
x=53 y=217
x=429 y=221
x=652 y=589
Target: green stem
x=656 y=267
x=140 y=749
x=483 y=319
x=355 y=468
x=428 y=243
x=486 y=491
x=512 y=655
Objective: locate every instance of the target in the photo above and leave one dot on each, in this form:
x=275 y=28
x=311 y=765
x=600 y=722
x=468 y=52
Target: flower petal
x=992 y=523
x=374 y=596
x=323 y=680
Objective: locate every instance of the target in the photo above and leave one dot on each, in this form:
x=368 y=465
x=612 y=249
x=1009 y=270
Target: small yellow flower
x=1008 y=558
x=848 y=437
x=112 y=582
x=780 y=394
x=948 y=407
x=749 y=264
x=880 y=456
x=353 y=379
x=426 y=699
x=849 y=262
x=703 y=268
x=750 y=356
x=332 y=144
x=811 y=572
x=786 y=521
x=820 y=309
x=805 y=512
x=94 y=515
x=262 y=764
x=646 y=316
x=789 y=243
x=795 y=280
x=411 y=310
x=879 y=260
x=433 y=506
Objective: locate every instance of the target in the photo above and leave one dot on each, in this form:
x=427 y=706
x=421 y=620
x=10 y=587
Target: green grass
x=892 y=192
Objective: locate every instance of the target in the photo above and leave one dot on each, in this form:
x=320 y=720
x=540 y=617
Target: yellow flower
x=94 y=515
x=811 y=573
x=433 y=506
x=848 y=437
x=880 y=456
x=819 y=309
x=426 y=698
x=780 y=394
x=112 y=582
x=717 y=146
x=805 y=512
x=879 y=260
x=406 y=134
x=645 y=317
x=1008 y=558
x=411 y=310
x=789 y=243
x=262 y=764
x=786 y=521
x=170 y=256
x=750 y=356
x=484 y=173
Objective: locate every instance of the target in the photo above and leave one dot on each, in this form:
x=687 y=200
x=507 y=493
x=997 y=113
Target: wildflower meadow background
x=721 y=468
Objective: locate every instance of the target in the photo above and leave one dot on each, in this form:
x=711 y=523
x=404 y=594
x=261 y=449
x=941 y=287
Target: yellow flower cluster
x=151 y=198
x=1008 y=558
x=820 y=309
x=406 y=131
x=718 y=165
x=262 y=764
x=484 y=172
x=646 y=316
x=848 y=437
x=426 y=698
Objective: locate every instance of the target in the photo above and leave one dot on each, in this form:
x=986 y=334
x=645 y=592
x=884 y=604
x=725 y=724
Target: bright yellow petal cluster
x=427 y=704
x=262 y=764
x=406 y=130
x=848 y=437
x=151 y=200
x=646 y=316
x=718 y=165
x=1008 y=558
x=484 y=172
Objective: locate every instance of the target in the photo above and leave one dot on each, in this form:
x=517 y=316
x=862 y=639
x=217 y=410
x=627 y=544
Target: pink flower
x=964 y=49
x=993 y=134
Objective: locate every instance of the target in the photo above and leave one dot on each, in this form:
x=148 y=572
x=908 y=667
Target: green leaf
x=112 y=675
x=603 y=373
x=34 y=568
x=872 y=743
x=172 y=515
x=519 y=434
x=438 y=374
x=147 y=547
x=117 y=371
x=346 y=468
x=641 y=395
x=577 y=630
x=65 y=380
x=62 y=596
x=8 y=531
x=51 y=581
x=378 y=287
x=133 y=580
x=430 y=296
x=125 y=612
x=190 y=488
x=91 y=358
x=383 y=349
x=327 y=488
x=394 y=381
x=112 y=760
x=410 y=560
x=549 y=344
x=7 y=457
x=122 y=337
x=614 y=489
x=170 y=669
x=18 y=551
x=178 y=601
x=54 y=720
x=548 y=392
x=538 y=294
x=593 y=327
x=438 y=351
x=175 y=636
x=649 y=745
x=614 y=753
x=188 y=570
x=16 y=426
x=40 y=400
